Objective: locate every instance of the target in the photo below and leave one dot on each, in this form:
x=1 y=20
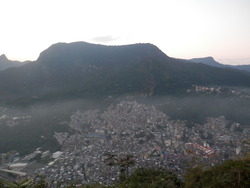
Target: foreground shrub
x=151 y=178
x=230 y=174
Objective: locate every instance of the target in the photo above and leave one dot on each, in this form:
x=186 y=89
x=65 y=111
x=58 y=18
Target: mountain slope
x=207 y=61
x=242 y=67
x=5 y=63
x=211 y=62
x=81 y=69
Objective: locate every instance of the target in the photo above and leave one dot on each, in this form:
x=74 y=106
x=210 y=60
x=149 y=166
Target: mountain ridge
x=211 y=62
x=5 y=63
x=83 y=69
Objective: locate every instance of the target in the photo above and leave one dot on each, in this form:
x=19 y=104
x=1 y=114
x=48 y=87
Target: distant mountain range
x=211 y=62
x=69 y=70
x=5 y=63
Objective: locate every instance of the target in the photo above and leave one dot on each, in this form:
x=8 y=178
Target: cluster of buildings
x=11 y=121
x=217 y=91
x=142 y=131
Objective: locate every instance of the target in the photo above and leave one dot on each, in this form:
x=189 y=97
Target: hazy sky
x=180 y=28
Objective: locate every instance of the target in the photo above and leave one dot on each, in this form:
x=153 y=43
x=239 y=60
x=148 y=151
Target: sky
x=180 y=28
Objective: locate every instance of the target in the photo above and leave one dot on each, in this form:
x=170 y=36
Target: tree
x=23 y=184
x=151 y=178
x=122 y=161
x=230 y=174
x=37 y=182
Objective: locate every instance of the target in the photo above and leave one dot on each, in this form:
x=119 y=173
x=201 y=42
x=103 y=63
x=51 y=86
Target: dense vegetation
x=197 y=108
x=25 y=137
x=78 y=70
x=232 y=173
x=81 y=72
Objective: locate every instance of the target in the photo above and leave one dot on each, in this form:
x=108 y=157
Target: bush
x=151 y=178
x=230 y=174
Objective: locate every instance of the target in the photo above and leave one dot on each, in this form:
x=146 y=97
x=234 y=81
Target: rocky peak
x=3 y=58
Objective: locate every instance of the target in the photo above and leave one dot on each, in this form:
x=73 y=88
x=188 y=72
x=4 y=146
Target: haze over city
x=180 y=28
x=125 y=93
